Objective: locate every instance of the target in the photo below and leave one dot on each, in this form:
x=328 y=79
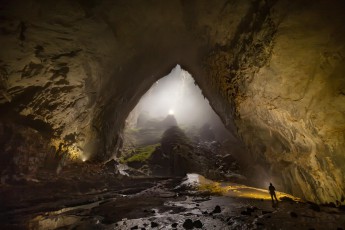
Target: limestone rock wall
x=53 y=59
x=284 y=75
x=24 y=151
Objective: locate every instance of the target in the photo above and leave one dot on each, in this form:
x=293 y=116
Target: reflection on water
x=59 y=218
x=41 y=222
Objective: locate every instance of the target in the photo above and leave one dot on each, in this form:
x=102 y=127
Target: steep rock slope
x=284 y=76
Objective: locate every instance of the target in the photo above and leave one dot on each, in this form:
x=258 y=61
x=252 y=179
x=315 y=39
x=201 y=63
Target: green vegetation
x=141 y=154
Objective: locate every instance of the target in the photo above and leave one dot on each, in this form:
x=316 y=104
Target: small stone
x=315 y=207
x=251 y=209
x=330 y=204
x=217 y=209
x=266 y=212
x=205 y=213
x=342 y=207
x=197 y=224
x=188 y=224
x=154 y=225
x=286 y=198
x=246 y=213
x=135 y=227
x=174 y=225
x=293 y=214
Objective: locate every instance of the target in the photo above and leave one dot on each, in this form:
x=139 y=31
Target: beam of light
x=232 y=189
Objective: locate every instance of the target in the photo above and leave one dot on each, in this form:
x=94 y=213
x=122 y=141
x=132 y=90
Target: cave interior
x=172 y=114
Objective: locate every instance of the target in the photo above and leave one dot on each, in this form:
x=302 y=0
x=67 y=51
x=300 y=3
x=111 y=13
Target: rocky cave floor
x=102 y=200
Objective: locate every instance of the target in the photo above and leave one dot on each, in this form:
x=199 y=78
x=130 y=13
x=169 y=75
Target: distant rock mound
x=168 y=122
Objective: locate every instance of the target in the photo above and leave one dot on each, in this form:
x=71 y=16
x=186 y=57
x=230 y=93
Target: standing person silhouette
x=272 y=189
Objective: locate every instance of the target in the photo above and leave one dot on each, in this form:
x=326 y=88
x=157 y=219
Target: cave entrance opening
x=173 y=129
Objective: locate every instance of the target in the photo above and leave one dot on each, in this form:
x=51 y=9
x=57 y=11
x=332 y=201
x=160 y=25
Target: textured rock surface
x=23 y=152
x=286 y=82
x=51 y=68
x=273 y=70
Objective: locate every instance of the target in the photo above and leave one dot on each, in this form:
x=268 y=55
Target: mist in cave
x=173 y=130
x=177 y=100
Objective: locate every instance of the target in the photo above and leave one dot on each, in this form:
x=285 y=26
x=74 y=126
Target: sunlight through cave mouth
x=173 y=130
